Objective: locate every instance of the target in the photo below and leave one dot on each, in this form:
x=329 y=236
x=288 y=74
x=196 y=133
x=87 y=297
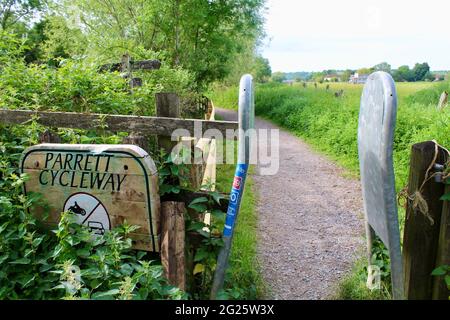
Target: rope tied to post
x=416 y=199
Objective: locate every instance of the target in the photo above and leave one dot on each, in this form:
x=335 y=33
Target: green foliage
x=278 y=77
x=420 y=72
x=364 y=71
x=68 y=262
x=262 y=69
x=225 y=97
x=15 y=12
x=353 y=286
x=78 y=87
x=203 y=37
x=384 y=66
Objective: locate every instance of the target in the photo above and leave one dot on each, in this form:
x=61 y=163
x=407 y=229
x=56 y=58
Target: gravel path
x=310 y=221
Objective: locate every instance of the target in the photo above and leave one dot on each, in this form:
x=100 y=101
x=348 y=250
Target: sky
x=314 y=35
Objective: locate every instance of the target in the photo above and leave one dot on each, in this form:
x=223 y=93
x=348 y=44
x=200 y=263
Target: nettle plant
x=69 y=262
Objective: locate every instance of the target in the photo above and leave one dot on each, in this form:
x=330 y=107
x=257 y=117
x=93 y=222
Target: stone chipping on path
x=310 y=221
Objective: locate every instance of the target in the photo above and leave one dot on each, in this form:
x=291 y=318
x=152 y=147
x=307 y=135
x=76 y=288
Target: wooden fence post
x=440 y=289
x=48 y=136
x=173 y=243
x=422 y=222
x=137 y=139
x=168 y=106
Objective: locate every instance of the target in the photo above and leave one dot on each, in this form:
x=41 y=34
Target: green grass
x=244 y=269
x=353 y=286
x=225 y=97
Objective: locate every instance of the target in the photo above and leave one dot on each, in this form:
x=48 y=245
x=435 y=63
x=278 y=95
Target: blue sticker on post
x=235 y=198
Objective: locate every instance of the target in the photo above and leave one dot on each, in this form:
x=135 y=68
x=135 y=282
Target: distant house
x=438 y=77
x=358 y=78
x=331 y=78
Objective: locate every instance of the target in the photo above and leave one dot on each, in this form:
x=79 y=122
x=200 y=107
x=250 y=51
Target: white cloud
x=322 y=34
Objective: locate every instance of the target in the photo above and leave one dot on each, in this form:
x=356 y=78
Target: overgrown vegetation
x=53 y=65
x=67 y=262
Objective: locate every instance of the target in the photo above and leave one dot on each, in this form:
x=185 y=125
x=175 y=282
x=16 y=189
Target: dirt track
x=310 y=221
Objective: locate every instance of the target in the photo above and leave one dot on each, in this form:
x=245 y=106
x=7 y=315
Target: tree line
x=420 y=72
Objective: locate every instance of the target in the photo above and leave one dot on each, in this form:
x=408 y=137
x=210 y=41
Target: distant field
x=227 y=97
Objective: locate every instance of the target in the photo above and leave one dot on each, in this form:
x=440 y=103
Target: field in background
x=330 y=123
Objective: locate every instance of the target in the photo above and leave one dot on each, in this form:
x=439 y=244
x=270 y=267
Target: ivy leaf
x=200 y=255
x=84 y=252
x=447 y=280
x=196 y=226
x=446 y=197
x=218 y=213
x=198 y=207
x=199 y=268
x=217 y=197
x=106 y=295
x=26 y=280
x=175 y=189
x=440 y=271
x=199 y=200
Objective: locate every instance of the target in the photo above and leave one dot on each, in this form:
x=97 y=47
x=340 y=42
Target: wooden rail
x=89 y=121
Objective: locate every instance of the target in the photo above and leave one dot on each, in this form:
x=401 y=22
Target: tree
x=384 y=66
x=365 y=71
x=421 y=71
x=345 y=77
x=262 y=69
x=15 y=11
x=278 y=77
x=404 y=73
x=203 y=37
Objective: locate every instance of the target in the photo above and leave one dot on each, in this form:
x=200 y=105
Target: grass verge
x=244 y=270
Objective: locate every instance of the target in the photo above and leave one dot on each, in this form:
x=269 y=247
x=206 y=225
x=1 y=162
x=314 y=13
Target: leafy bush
x=78 y=86
x=68 y=262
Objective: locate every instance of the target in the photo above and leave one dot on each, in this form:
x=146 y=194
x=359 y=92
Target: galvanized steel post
x=246 y=124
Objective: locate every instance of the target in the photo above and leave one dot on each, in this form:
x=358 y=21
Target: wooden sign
x=375 y=147
x=101 y=185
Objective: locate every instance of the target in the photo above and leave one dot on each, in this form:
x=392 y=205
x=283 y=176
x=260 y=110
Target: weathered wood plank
x=92 y=121
x=172 y=243
x=135 y=65
x=422 y=224
x=146 y=65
